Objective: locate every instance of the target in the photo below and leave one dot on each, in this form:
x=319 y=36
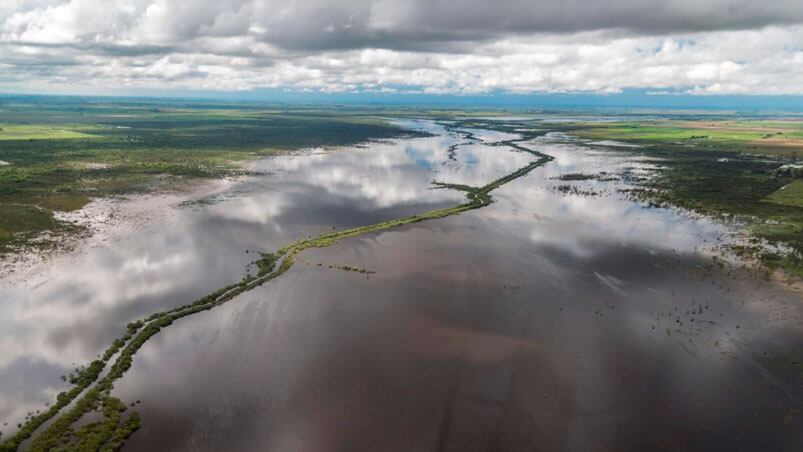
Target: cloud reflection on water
x=67 y=310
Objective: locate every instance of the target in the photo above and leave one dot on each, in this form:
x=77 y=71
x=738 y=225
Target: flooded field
x=563 y=316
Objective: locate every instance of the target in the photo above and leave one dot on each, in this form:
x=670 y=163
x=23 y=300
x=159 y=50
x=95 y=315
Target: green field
x=788 y=195
x=777 y=138
x=39 y=132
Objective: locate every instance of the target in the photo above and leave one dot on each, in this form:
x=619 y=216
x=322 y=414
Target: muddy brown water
x=550 y=320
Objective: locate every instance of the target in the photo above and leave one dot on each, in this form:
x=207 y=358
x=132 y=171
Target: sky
x=403 y=47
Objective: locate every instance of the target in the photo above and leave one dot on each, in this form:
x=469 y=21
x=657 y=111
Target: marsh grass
x=788 y=195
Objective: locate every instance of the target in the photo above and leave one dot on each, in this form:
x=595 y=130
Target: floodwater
x=564 y=316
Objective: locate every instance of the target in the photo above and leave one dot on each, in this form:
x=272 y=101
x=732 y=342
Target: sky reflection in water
x=68 y=310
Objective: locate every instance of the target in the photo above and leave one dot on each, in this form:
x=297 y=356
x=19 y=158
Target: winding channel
x=91 y=390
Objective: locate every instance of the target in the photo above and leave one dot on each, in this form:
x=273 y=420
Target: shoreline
x=106 y=220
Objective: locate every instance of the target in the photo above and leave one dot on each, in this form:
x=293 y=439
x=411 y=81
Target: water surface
x=553 y=319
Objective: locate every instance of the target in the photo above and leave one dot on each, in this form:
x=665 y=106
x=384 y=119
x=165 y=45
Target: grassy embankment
x=115 y=428
x=725 y=168
x=55 y=156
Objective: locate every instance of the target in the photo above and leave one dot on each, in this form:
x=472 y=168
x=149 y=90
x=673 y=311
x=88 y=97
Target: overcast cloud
x=448 y=46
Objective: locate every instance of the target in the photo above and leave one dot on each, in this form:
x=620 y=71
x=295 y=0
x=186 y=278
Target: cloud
x=445 y=46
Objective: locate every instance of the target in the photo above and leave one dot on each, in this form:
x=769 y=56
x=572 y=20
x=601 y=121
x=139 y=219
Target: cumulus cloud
x=442 y=46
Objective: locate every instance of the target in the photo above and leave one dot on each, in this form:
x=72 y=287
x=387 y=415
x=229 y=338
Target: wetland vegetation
x=743 y=169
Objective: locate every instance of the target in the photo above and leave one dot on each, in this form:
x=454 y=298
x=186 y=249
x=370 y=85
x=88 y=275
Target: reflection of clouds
x=577 y=224
x=15 y=399
x=489 y=136
x=260 y=208
x=83 y=291
x=72 y=307
x=70 y=310
x=383 y=175
x=78 y=303
x=478 y=164
x=391 y=173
